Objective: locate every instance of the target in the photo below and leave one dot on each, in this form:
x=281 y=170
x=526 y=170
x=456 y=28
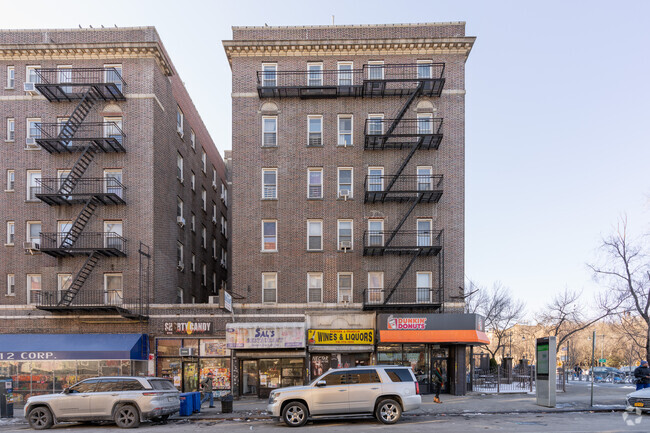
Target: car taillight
x=417 y=388
x=150 y=393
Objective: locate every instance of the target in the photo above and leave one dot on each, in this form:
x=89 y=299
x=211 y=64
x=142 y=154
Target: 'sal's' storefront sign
x=341 y=336
x=265 y=335
x=188 y=328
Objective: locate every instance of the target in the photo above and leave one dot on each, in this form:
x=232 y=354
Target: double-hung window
x=179 y=167
x=345 y=73
x=315 y=137
x=425 y=235
x=269 y=183
x=375 y=232
x=10 y=232
x=315 y=183
x=192 y=139
x=376 y=70
x=179 y=255
x=192 y=181
x=34 y=232
x=425 y=124
x=345 y=182
x=425 y=178
x=269 y=235
x=11 y=129
x=179 y=207
x=204 y=237
x=193 y=222
x=33 y=184
x=269 y=74
x=345 y=235
x=315 y=74
x=344 y=287
x=11 y=180
x=423 y=290
x=314 y=235
x=204 y=198
x=113 y=128
x=204 y=161
x=33 y=288
x=113 y=179
x=269 y=287
x=179 y=121
x=375 y=287
x=375 y=124
x=33 y=133
x=31 y=75
x=64 y=73
x=314 y=287
x=345 y=130
x=11 y=285
x=113 y=74
x=269 y=131
x=113 y=288
x=425 y=69
x=193 y=263
x=11 y=77
x=375 y=178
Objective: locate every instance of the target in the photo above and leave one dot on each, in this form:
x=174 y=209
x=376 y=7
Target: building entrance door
x=249 y=377
x=190 y=376
x=439 y=358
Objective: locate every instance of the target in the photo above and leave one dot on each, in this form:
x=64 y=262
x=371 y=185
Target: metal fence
x=502 y=379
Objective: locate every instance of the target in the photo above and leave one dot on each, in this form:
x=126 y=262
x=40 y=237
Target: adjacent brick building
x=348 y=193
x=114 y=198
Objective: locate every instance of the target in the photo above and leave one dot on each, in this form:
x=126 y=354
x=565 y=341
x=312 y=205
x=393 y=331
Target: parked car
x=639 y=400
x=383 y=391
x=125 y=400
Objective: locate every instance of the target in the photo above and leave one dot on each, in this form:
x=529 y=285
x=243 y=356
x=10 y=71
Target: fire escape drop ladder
x=79 y=280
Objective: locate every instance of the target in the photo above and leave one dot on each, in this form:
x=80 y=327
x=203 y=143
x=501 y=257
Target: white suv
x=383 y=391
x=125 y=400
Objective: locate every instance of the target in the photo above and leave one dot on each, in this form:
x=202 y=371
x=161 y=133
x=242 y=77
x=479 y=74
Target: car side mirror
x=321 y=383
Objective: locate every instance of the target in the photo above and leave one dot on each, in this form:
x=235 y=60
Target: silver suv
x=125 y=400
x=382 y=391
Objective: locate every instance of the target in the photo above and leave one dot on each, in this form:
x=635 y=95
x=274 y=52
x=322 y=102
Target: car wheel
x=294 y=414
x=40 y=418
x=127 y=416
x=388 y=411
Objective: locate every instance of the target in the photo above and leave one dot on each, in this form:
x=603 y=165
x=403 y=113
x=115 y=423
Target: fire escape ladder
x=79 y=114
x=79 y=223
x=403 y=220
x=402 y=167
x=401 y=277
x=79 y=280
x=78 y=170
x=402 y=111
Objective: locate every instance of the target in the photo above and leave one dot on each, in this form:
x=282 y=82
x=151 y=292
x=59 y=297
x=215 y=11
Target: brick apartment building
x=114 y=210
x=348 y=201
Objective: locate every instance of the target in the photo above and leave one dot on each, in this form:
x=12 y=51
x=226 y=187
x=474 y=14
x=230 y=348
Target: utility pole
x=593 y=348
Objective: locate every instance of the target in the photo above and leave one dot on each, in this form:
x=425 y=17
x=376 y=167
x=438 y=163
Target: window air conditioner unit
x=345 y=299
x=223 y=263
x=223 y=196
x=30 y=88
x=213 y=300
x=344 y=193
x=345 y=245
x=214 y=185
x=181 y=221
x=31 y=143
x=31 y=246
x=180 y=266
x=214 y=220
x=179 y=130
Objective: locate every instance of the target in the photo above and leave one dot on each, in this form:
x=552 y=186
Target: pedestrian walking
x=642 y=376
x=437 y=380
x=206 y=387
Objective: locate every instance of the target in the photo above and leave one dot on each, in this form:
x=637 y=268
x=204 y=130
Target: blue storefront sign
x=48 y=347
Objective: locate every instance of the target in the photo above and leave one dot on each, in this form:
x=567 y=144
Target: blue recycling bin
x=197 y=402
x=186 y=404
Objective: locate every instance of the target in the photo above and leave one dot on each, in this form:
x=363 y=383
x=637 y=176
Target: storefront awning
x=44 y=347
x=432 y=328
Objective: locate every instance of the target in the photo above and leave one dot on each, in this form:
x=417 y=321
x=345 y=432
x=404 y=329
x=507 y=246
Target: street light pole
x=593 y=348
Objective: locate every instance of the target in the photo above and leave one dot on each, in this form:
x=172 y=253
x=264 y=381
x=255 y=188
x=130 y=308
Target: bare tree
x=500 y=309
x=566 y=314
x=626 y=271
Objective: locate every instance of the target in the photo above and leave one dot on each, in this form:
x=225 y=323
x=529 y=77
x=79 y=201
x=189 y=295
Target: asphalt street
x=547 y=422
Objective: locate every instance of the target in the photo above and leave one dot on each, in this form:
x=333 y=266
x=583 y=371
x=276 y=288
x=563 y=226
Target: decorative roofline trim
x=87 y=52
x=350 y=26
x=239 y=48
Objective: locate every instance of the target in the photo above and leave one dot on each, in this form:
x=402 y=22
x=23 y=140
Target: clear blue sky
x=558 y=115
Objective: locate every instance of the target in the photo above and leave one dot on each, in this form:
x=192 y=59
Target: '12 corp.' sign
x=407 y=323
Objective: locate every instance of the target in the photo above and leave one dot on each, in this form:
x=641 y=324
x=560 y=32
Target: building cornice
x=87 y=52
x=300 y=48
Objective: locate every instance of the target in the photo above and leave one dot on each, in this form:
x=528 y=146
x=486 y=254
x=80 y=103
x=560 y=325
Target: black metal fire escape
x=412 y=81
x=88 y=86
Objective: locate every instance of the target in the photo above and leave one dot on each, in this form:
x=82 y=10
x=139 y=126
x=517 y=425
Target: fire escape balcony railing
x=309 y=84
x=108 y=244
x=407 y=133
x=403 y=242
x=404 y=297
x=107 y=137
x=69 y=84
x=403 y=188
x=107 y=190
x=86 y=300
x=403 y=79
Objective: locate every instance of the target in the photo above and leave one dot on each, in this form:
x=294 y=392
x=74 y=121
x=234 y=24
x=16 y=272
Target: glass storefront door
x=190 y=376
x=249 y=377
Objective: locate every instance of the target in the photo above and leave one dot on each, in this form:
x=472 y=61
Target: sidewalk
x=577 y=398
